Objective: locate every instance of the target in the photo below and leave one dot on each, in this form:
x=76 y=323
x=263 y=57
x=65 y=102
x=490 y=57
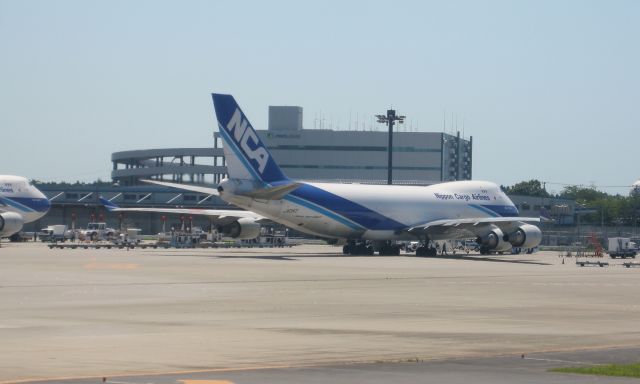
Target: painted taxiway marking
x=205 y=382
x=558 y=361
x=123 y=266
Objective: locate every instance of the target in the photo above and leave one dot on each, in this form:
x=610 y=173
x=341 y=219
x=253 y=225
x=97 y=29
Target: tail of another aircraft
x=107 y=204
x=247 y=156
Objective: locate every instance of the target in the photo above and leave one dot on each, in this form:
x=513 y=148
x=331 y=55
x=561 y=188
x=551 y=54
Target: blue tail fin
x=107 y=204
x=247 y=156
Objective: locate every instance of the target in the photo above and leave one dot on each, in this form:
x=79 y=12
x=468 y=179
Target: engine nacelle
x=526 y=236
x=494 y=241
x=244 y=228
x=10 y=223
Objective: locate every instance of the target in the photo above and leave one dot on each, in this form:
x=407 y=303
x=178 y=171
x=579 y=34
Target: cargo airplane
x=369 y=217
x=20 y=202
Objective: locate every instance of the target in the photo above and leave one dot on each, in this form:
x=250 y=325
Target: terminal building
x=312 y=154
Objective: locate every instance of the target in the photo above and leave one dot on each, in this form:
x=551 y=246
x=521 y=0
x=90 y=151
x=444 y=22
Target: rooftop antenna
x=451 y=121
x=444 y=120
x=456 y=124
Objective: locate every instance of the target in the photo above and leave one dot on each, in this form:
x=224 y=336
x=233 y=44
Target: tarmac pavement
x=107 y=313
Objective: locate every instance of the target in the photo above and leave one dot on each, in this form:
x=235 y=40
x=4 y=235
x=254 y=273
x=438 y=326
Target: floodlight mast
x=390 y=120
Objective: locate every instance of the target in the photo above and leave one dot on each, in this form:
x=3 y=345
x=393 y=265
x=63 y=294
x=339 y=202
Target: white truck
x=97 y=231
x=55 y=233
x=621 y=247
x=130 y=237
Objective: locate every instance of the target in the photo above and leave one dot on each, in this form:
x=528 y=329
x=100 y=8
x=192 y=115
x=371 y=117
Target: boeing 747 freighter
x=370 y=217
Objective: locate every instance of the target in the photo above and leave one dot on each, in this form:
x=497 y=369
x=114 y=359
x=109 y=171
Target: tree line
x=609 y=209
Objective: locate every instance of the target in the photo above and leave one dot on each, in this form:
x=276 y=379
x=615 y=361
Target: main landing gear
x=426 y=248
x=426 y=251
x=388 y=248
x=357 y=249
x=363 y=248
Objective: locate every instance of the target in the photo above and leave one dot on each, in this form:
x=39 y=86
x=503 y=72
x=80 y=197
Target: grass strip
x=623 y=370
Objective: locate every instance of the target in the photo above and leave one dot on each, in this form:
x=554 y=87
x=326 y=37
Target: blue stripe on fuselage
x=354 y=212
x=27 y=204
x=497 y=210
x=322 y=211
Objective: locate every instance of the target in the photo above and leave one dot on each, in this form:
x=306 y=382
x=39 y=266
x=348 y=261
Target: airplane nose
x=47 y=204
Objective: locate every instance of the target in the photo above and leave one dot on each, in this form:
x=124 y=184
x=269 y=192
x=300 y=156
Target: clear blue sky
x=548 y=89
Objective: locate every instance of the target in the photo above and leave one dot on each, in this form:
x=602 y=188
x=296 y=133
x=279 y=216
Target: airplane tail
x=246 y=155
x=110 y=206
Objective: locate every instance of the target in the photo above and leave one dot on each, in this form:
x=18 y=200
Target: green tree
x=527 y=188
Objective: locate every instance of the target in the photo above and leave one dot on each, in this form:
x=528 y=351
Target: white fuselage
x=376 y=212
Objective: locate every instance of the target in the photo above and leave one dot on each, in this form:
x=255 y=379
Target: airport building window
x=367 y=167
x=350 y=148
x=129 y=196
x=71 y=196
x=525 y=207
x=189 y=198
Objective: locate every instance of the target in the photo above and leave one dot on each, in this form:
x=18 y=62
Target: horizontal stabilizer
x=272 y=193
x=186 y=187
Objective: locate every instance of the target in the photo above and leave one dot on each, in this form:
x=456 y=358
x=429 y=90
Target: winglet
x=110 y=206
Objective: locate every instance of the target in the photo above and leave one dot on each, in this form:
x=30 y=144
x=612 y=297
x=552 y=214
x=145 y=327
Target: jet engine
x=526 y=236
x=10 y=223
x=493 y=241
x=244 y=228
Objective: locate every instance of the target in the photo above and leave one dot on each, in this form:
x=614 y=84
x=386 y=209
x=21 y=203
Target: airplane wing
x=223 y=215
x=186 y=187
x=467 y=228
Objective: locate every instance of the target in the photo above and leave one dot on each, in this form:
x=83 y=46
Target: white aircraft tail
x=247 y=157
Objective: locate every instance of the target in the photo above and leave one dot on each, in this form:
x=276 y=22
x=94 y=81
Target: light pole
x=390 y=120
